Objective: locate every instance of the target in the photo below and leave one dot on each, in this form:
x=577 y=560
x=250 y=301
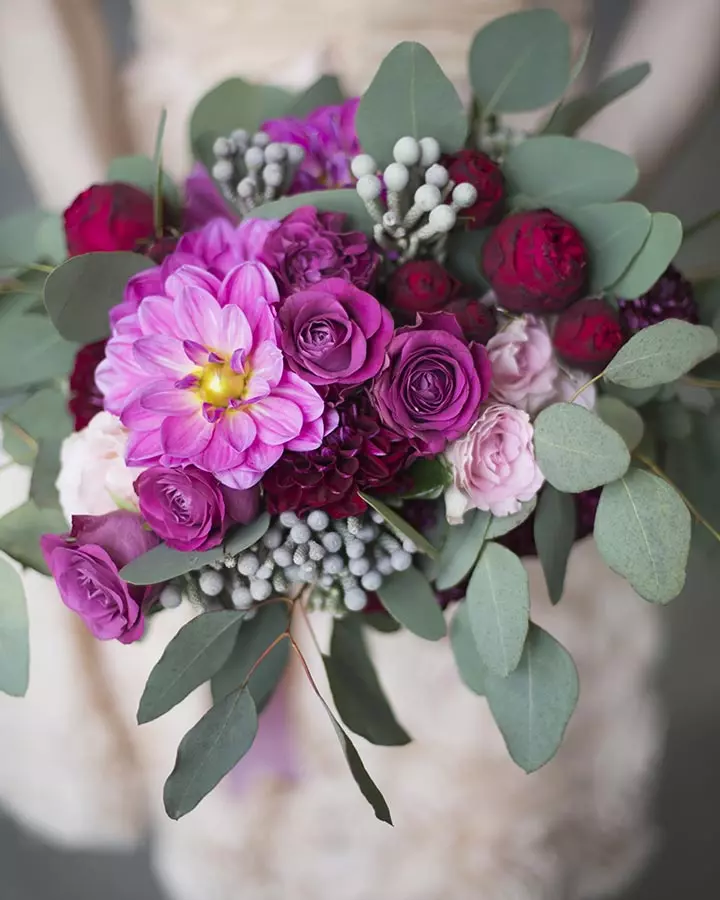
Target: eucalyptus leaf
x=18 y=237
x=43 y=415
x=20 y=447
x=409 y=598
x=576 y=450
x=50 y=242
x=614 y=234
x=80 y=293
x=380 y=621
x=656 y=254
x=635 y=397
x=142 y=173
x=326 y=91
x=209 y=751
x=552 y=171
x=521 y=61
x=470 y=666
x=573 y=114
x=21 y=530
x=192 y=657
x=661 y=353
x=31 y=351
x=642 y=530
x=533 y=705
x=500 y=525
x=672 y=421
x=46 y=469
x=243 y=536
x=410 y=95
x=429 y=478
x=461 y=549
x=399 y=525
x=343 y=200
x=498 y=600
x=554 y=529
x=14 y=633
x=356 y=690
x=463 y=257
x=621 y=418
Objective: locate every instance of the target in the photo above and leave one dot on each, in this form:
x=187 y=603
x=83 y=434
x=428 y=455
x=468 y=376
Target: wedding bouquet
x=373 y=354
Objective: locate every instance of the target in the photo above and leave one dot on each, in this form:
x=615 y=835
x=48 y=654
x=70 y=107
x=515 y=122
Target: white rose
x=93 y=478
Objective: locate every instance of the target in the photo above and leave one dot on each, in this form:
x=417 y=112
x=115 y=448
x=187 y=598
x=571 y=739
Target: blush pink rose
x=493 y=465
x=523 y=363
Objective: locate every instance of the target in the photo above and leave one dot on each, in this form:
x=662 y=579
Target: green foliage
x=21 y=530
x=31 y=352
x=621 y=418
x=211 y=748
x=326 y=91
x=80 y=293
x=520 y=62
x=14 y=633
x=658 y=251
x=500 y=525
x=576 y=450
x=498 y=601
x=429 y=478
x=461 y=549
x=411 y=601
x=45 y=474
x=463 y=257
x=635 y=397
x=554 y=530
x=561 y=172
x=43 y=415
x=141 y=171
x=356 y=690
x=192 y=657
x=470 y=666
x=18 y=241
x=642 y=530
x=344 y=200
x=399 y=525
x=50 y=243
x=661 y=353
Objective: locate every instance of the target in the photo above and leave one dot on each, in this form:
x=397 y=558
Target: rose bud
x=421 y=285
x=109 y=217
x=478 y=322
x=535 y=262
x=484 y=174
x=588 y=334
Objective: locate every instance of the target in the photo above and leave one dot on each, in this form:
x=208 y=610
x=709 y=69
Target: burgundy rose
x=432 y=383
x=85 y=564
x=588 y=334
x=334 y=333
x=421 y=285
x=309 y=246
x=85 y=398
x=189 y=509
x=112 y=216
x=535 y=262
x=478 y=321
x=484 y=174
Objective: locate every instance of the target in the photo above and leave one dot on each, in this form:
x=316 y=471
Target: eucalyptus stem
x=701 y=224
x=709 y=383
x=266 y=652
x=22 y=434
x=585 y=386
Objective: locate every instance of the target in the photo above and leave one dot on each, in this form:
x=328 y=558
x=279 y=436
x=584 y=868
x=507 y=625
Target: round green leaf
x=80 y=293
x=470 y=666
x=21 y=530
x=576 y=450
x=500 y=525
x=43 y=415
x=14 y=633
x=343 y=200
x=656 y=254
x=621 y=418
x=463 y=257
x=409 y=95
x=18 y=240
x=461 y=549
x=521 y=61
x=533 y=705
x=635 y=397
x=554 y=530
x=50 y=242
x=326 y=91
x=141 y=171
x=411 y=601
x=614 y=234
x=565 y=172
x=661 y=353
x=399 y=525
x=209 y=751
x=642 y=530
x=498 y=600
x=31 y=351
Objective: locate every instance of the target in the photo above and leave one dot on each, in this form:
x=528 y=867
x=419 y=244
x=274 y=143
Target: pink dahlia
x=197 y=376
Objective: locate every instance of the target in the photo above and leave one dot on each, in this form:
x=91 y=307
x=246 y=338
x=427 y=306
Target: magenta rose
x=334 y=333
x=85 y=564
x=309 y=246
x=189 y=509
x=432 y=383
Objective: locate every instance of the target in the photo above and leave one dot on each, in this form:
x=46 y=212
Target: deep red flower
x=535 y=262
x=588 y=334
x=484 y=174
x=478 y=322
x=421 y=285
x=85 y=398
x=113 y=216
x=671 y=297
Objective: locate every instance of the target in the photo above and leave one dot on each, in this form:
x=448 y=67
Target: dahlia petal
x=278 y=420
x=211 y=413
x=267 y=362
x=196 y=353
x=262 y=457
x=198 y=316
x=237 y=361
x=310 y=437
x=239 y=429
x=241 y=478
x=185 y=436
x=143 y=448
x=219 y=453
x=162 y=355
x=294 y=388
x=256 y=389
x=190 y=276
x=245 y=283
x=156 y=316
x=137 y=417
x=172 y=402
x=234 y=330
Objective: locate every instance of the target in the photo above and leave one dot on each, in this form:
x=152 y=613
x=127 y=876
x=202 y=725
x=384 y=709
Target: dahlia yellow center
x=218 y=384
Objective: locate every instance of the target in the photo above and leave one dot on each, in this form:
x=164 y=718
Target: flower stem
x=266 y=652
x=699 y=517
x=709 y=383
x=701 y=224
x=585 y=386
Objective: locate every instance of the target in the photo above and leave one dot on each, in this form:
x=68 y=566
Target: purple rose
x=433 y=382
x=309 y=246
x=334 y=333
x=189 y=509
x=85 y=564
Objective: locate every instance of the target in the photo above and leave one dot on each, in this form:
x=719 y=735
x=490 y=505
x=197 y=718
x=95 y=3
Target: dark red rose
x=588 y=334
x=484 y=174
x=421 y=285
x=85 y=399
x=113 y=216
x=478 y=322
x=535 y=262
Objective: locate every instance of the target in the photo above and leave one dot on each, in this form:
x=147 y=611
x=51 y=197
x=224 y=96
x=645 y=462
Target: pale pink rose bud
x=523 y=363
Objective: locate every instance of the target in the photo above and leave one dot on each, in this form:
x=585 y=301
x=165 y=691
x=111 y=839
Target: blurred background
x=675 y=131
